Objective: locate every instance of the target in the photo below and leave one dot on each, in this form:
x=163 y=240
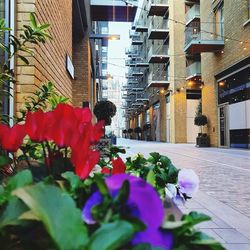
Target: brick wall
x=49 y=61
x=235 y=15
x=81 y=60
x=178 y=131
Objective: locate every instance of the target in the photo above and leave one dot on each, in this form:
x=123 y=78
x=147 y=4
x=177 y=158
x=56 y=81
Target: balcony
x=142 y=64
x=158 y=29
x=130 y=63
x=141 y=27
x=133 y=33
x=137 y=41
x=132 y=81
x=137 y=72
x=158 y=8
x=113 y=10
x=206 y=39
x=158 y=78
x=193 y=14
x=193 y=71
x=158 y=54
x=131 y=52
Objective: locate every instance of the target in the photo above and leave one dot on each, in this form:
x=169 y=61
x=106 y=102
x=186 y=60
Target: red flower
x=36 y=125
x=119 y=166
x=12 y=138
x=63 y=125
x=84 y=162
x=106 y=170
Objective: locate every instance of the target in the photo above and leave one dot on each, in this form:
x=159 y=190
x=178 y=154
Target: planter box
x=202 y=141
x=103 y=146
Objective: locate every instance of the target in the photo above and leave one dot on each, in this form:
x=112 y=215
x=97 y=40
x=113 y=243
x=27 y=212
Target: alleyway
x=224 y=186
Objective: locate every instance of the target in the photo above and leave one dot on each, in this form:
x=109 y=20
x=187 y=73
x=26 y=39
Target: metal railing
x=193 y=69
x=158 y=73
x=208 y=32
x=158 y=23
x=133 y=34
x=193 y=13
x=160 y=50
x=159 y=1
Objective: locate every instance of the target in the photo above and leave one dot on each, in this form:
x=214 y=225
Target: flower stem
x=108 y=215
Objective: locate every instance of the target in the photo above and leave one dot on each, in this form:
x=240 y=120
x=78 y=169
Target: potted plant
x=202 y=140
x=125 y=133
x=146 y=130
x=138 y=132
x=130 y=131
x=104 y=111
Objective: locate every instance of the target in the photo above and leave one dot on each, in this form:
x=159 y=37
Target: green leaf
x=151 y=178
x=58 y=212
x=137 y=224
x=33 y=20
x=26 y=61
x=165 y=160
x=73 y=180
x=205 y=240
x=146 y=246
x=5 y=160
x=101 y=185
x=123 y=194
x=195 y=218
x=10 y=215
x=111 y=236
x=173 y=224
x=21 y=179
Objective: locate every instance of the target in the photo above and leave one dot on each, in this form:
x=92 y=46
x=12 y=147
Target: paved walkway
x=224 y=186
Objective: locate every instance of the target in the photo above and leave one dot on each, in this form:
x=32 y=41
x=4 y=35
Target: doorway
x=224 y=125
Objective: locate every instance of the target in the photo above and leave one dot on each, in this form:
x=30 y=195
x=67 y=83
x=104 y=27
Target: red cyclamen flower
x=12 y=138
x=119 y=166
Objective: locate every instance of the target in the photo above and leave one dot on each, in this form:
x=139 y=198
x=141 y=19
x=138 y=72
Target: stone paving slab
x=224 y=187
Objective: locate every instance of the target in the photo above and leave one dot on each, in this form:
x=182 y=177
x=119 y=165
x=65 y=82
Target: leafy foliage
x=158 y=170
x=19 y=47
x=187 y=237
x=105 y=110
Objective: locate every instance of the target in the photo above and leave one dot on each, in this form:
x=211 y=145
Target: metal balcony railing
x=130 y=63
x=133 y=33
x=137 y=40
x=158 y=76
x=193 y=70
x=159 y=1
x=158 y=53
x=158 y=23
x=131 y=52
x=193 y=13
x=140 y=26
x=158 y=7
x=209 y=32
x=158 y=50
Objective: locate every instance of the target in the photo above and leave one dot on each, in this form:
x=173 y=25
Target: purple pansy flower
x=188 y=182
x=143 y=202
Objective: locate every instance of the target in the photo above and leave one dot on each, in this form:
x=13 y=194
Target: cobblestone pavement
x=224 y=186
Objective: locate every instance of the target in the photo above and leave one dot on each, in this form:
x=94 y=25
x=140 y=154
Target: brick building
x=202 y=53
x=73 y=59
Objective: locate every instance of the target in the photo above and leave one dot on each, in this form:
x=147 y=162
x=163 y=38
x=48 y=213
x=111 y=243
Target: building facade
x=74 y=61
x=197 y=51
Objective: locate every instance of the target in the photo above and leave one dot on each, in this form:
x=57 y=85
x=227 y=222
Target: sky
x=116 y=50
